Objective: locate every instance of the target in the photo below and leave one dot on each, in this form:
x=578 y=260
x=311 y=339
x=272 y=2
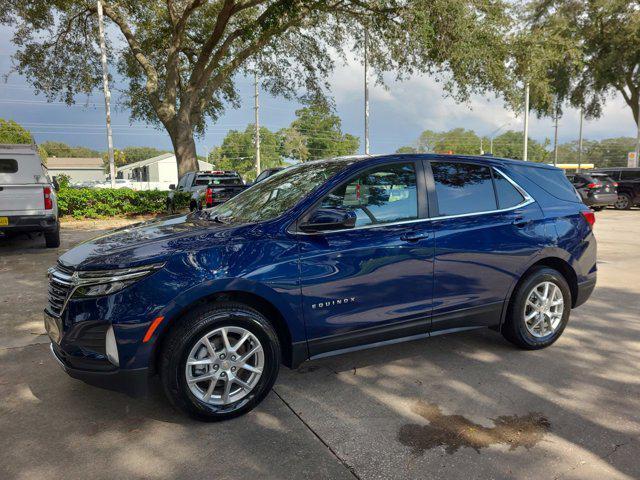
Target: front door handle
x=413 y=237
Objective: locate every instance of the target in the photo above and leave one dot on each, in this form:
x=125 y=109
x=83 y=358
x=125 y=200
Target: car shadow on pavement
x=585 y=386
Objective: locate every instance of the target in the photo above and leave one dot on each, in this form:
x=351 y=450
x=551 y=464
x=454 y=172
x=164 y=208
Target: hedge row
x=105 y=202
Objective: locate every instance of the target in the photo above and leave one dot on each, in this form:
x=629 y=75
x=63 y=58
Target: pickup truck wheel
x=193 y=206
x=170 y=207
x=52 y=239
x=220 y=361
x=623 y=202
x=539 y=310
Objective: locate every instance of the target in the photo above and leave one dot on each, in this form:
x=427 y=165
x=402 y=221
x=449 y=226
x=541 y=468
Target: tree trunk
x=184 y=146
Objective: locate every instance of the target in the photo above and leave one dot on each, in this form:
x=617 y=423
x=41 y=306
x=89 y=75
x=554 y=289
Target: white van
x=28 y=200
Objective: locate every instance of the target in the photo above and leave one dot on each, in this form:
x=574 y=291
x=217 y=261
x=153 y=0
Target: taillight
x=615 y=184
x=590 y=217
x=208 y=198
x=594 y=185
x=48 y=201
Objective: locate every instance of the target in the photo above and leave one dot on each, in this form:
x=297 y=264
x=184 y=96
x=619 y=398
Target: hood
x=142 y=243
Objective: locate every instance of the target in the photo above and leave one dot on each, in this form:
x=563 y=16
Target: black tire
x=193 y=327
x=52 y=239
x=170 y=207
x=597 y=209
x=514 y=328
x=623 y=202
x=193 y=206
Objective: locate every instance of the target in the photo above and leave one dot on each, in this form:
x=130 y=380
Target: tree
x=237 y=151
x=60 y=149
x=321 y=130
x=293 y=144
x=600 y=40
x=180 y=58
x=509 y=145
x=457 y=140
x=12 y=132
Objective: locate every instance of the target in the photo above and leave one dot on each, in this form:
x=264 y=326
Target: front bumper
x=133 y=382
x=30 y=223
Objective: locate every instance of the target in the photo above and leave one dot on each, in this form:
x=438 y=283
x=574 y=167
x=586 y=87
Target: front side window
x=463 y=188
x=8 y=165
x=630 y=175
x=380 y=195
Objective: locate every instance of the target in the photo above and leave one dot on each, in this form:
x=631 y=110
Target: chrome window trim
x=528 y=200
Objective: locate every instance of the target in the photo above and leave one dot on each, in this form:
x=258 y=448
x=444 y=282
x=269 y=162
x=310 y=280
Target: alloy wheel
x=543 y=309
x=622 y=202
x=224 y=365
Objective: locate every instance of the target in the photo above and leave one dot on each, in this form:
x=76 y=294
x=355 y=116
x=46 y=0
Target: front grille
x=60 y=285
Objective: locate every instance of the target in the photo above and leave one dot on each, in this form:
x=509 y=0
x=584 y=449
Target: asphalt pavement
x=459 y=406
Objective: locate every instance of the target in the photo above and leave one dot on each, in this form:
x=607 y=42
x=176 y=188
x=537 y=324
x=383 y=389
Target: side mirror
x=327 y=219
x=172 y=186
x=56 y=185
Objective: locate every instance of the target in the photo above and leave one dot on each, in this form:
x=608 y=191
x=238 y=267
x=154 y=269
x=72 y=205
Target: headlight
x=104 y=282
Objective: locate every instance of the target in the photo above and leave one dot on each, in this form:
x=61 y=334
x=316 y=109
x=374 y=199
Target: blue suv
x=322 y=258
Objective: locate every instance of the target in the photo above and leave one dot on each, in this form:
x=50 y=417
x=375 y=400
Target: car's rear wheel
x=623 y=202
x=220 y=361
x=52 y=239
x=539 y=310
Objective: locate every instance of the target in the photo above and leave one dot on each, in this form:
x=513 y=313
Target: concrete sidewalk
x=459 y=406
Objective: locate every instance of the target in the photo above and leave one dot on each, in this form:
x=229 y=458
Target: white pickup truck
x=28 y=201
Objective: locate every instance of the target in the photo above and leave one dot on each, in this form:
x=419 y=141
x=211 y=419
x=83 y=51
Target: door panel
x=365 y=279
x=477 y=260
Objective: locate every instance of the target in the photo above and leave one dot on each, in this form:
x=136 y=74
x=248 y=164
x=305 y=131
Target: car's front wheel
x=539 y=310
x=220 y=361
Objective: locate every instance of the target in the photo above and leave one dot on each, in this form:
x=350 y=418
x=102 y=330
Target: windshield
x=277 y=194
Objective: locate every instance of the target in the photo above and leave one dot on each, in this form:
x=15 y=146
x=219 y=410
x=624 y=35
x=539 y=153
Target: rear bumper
x=585 y=289
x=601 y=199
x=134 y=383
x=30 y=223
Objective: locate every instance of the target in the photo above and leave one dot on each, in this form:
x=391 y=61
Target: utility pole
x=580 y=141
x=481 y=146
x=107 y=94
x=366 y=92
x=635 y=162
x=526 y=121
x=257 y=108
x=555 y=139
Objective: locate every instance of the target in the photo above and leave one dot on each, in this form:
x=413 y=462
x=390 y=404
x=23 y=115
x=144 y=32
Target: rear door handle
x=413 y=237
x=519 y=221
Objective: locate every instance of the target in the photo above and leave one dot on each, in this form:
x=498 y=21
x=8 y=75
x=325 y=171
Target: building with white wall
x=78 y=169
x=162 y=170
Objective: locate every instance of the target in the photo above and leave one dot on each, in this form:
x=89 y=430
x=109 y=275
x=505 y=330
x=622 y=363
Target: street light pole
x=366 y=92
x=555 y=139
x=526 y=122
x=580 y=141
x=257 y=108
x=107 y=94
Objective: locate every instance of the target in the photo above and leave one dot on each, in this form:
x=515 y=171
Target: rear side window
x=552 y=180
x=380 y=195
x=508 y=195
x=463 y=188
x=8 y=165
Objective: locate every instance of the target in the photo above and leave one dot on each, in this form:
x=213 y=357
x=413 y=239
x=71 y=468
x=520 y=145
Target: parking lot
x=459 y=406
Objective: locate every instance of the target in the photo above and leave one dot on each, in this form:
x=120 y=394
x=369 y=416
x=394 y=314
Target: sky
x=398 y=113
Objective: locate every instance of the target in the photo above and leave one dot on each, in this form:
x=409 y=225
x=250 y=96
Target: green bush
x=105 y=202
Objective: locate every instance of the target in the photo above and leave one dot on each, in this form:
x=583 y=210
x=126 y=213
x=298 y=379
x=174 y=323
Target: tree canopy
x=12 y=132
x=179 y=59
x=597 y=45
x=468 y=142
x=60 y=149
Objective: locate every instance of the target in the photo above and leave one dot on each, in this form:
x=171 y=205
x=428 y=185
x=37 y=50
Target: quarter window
x=508 y=195
x=8 y=165
x=381 y=195
x=463 y=188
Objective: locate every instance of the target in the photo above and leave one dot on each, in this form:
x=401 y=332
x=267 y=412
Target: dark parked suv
x=628 y=180
x=323 y=258
x=596 y=189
